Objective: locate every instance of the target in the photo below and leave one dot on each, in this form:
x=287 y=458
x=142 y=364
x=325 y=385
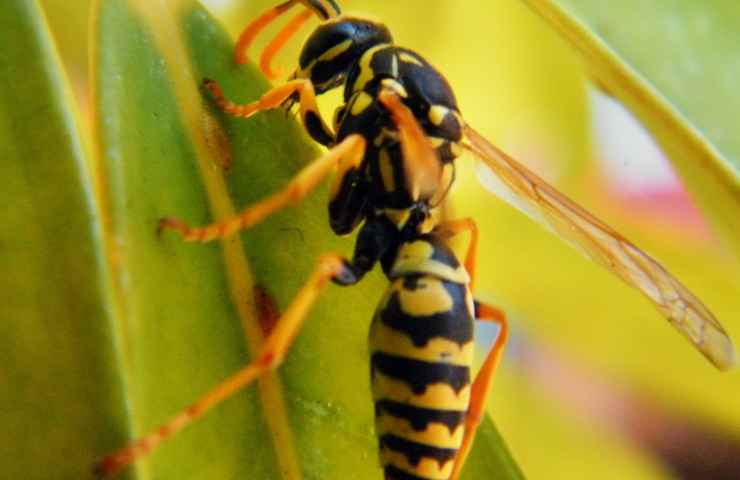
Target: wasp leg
x=277 y=43
x=272 y=353
x=347 y=154
x=483 y=381
x=315 y=125
x=482 y=384
x=421 y=164
x=453 y=227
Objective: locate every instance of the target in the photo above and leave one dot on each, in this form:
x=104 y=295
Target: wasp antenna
x=255 y=27
x=277 y=43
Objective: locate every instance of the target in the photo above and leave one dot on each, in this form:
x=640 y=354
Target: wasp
x=393 y=144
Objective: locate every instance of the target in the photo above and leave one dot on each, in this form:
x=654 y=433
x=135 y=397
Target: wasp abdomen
x=422 y=346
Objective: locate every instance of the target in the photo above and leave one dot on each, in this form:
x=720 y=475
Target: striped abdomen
x=422 y=348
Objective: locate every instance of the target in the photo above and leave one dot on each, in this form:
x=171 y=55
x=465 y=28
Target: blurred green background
x=590 y=358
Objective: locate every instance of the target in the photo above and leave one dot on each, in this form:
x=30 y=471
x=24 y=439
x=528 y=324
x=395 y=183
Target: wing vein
x=553 y=210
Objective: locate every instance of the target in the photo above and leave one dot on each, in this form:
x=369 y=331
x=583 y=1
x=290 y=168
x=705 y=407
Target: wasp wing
x=523 y=189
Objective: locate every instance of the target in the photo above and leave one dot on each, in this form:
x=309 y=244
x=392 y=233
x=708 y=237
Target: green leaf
x=60 y=398
x=185 y=313
x=674 y=64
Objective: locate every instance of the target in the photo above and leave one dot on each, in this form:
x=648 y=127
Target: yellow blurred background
x=590 y=359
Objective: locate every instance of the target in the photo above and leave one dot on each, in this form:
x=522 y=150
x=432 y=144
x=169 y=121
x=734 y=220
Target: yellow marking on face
x=394 y=66
x=408 y=58
x=395 y=86
x=384 y=339
x=436 y=434
x=437 y=114
x=438 y=395
x=335 y=51
x=386 y=171
x=366 y=71
x=427 y=467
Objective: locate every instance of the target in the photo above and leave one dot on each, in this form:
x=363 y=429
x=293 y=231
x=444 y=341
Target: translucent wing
x=523 y=189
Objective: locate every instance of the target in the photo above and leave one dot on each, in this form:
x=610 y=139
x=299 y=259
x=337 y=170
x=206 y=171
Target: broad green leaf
x=675 y=65
x=185 y=312
x=60 y=398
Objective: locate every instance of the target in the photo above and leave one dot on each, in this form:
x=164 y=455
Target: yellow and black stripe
x=422 y=348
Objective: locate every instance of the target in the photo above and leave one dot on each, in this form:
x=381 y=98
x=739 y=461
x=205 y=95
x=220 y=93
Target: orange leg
x=276 y=97
x=279 y=42
x=349 y=152
x=451 y=228
x=482 y=384
x=421 y=164
x=484 y=380
x=270 y=357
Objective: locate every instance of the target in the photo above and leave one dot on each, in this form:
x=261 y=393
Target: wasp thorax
x=335 y=46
